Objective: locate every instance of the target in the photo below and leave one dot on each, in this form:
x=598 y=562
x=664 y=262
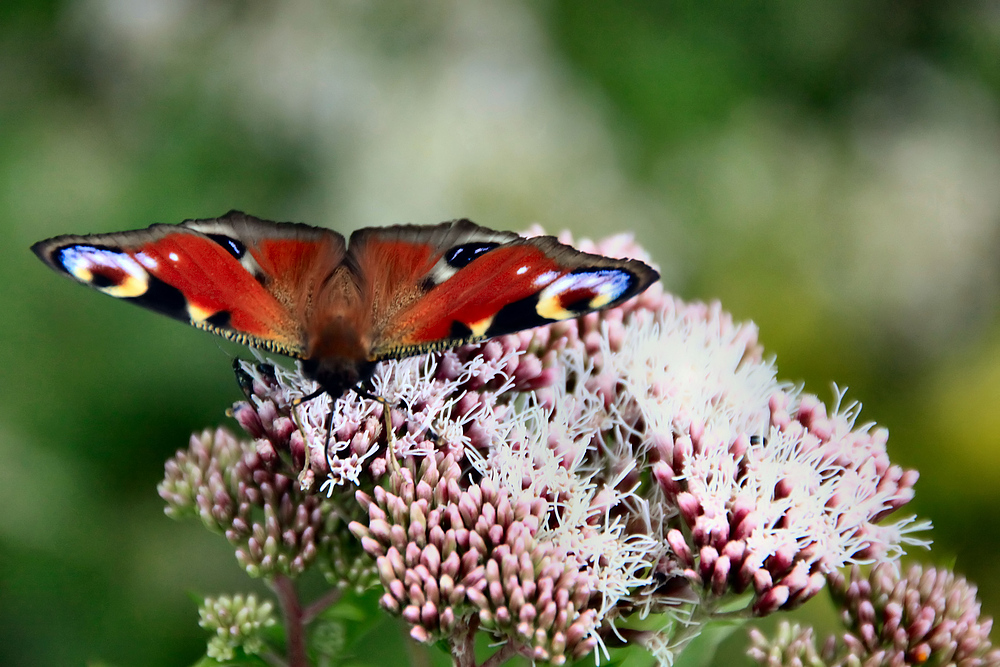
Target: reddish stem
x=463 y=645
x=317 y=607
x=502 y=655
x=295 y=636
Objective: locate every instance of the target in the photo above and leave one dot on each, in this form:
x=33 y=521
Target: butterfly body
x=341 y=307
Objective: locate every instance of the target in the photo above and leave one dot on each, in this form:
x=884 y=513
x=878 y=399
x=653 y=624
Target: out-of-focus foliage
x=829 y=170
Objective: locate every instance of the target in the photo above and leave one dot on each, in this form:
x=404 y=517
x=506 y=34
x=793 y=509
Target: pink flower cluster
x=928 y=616
x=542 y=486
x=793 y=505
x=276 y=527
x=443 y=546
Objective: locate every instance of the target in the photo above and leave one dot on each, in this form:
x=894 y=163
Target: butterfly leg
x=390 y=436
x=386 y=407
x=304 y=475
x=326 y=440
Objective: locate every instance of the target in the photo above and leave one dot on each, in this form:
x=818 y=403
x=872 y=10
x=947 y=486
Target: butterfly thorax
x=339 y=354
x=338 y=375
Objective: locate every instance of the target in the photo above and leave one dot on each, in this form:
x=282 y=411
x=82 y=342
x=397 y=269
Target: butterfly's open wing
x=237 y=276
x=458 y=282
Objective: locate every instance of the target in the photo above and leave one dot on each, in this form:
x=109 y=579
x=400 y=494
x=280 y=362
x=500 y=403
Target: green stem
x=273 y=659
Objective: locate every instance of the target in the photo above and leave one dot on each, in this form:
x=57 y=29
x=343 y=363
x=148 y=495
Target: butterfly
x=340 y=307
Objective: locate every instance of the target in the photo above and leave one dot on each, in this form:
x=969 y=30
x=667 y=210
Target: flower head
x=241 y=490
x=928 y=616
x=448 y=551
x=542 y=486
x=760 y=487
x=236 y=622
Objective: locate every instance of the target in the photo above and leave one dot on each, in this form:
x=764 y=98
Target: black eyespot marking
x=459 y=331
x=581 y=305
x=517 y=316
x=461 y=255
x=584 y=286
x=163 y=298
x=232 y=246
x=219 y=320
x=101 y=281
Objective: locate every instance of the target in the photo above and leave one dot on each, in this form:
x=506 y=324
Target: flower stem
x=502 y=655
x=295 y=637
x=273 y=659
x=463 y=644
x=317 y=607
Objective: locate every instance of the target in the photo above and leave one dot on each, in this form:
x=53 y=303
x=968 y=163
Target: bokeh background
x=830 y=170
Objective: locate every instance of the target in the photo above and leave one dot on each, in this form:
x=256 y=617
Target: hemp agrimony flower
x=928 y=616
x=547 y=487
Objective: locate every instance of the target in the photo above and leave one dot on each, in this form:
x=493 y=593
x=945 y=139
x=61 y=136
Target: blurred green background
x=829 y=170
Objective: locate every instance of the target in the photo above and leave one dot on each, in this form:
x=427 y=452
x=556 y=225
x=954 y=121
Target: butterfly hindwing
x=236 y=276
x=411 y=261
x=463 y=283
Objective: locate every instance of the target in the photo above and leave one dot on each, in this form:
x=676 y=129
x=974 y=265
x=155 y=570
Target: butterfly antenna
x=308 y=397
x=390 y=436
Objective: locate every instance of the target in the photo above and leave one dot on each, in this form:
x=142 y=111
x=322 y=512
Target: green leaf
x=701 y=650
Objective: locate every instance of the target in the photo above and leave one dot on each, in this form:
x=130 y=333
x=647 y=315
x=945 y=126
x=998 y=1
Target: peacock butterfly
x=304 y=292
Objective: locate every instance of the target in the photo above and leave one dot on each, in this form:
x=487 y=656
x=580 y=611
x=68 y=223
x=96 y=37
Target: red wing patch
x=212 y=281
x=500 y=288
x=297 y=290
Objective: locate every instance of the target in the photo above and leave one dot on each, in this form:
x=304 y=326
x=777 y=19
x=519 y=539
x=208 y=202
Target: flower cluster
x=928 y=616
x=779 y=511
x=756 y=486
x=240 y=490
x=237 y=622
x=544 y=485
x=447 y=555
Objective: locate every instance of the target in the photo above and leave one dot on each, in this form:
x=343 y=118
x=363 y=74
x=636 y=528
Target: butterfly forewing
x=291 y=261
x=481 y=284
x=212 y=274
